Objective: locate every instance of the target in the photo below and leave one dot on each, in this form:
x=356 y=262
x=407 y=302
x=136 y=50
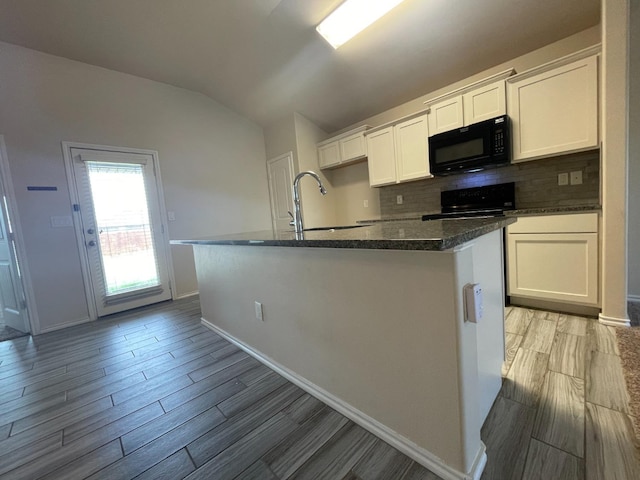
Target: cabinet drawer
x=574 y=223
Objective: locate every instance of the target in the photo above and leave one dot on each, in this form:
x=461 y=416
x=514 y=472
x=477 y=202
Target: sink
x=331 y=229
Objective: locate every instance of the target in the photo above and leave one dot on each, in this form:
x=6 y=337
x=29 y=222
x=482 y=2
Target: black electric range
x=487 y=201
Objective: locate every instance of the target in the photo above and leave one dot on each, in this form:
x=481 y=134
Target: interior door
x=280 y=172
x=12 y=301
x=121 y=229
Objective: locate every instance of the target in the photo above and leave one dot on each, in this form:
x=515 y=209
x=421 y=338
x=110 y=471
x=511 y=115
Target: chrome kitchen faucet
x=296 y=220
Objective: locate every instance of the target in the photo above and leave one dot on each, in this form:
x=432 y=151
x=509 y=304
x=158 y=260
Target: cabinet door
x=446 y=115
x=555 y=111
x=381 y=162
x=485 y=103
x=559 y=267
x=329 y=155
x=353 y=147
x=412 y=152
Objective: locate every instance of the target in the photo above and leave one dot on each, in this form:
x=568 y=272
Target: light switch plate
x=259 y=312
x=399 y=199
x=563 y=179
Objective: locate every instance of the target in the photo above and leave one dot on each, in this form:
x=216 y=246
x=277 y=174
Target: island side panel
x=488 y=270
x=378 y=329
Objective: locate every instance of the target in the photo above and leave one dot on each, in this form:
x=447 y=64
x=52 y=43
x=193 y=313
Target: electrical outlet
x=171 y=216
x=259 y=312
x=366 y=204
x=563 y=179
x=399 y=199
x=576 y=177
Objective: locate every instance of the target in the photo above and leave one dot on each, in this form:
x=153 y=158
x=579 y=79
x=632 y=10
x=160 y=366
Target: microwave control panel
x=498 y=141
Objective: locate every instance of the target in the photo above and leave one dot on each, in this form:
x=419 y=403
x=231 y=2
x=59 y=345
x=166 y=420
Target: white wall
x=212 y=162
x=318 y=210
x=296 y=134
x=633 y=215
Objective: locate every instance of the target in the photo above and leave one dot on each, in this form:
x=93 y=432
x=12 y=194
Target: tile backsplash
x=536 y=185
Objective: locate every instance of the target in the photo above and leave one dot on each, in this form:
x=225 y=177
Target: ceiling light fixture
x=351 y=17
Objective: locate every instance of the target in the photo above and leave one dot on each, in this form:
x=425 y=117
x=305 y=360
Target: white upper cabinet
x=485 y=103
x=399 y=151
x=350 y=147
x=473 y=103
x=381 y=161
x=554 y=108
x=329 y=155
x=353 y=147
x=446 y=115
x=412 y=149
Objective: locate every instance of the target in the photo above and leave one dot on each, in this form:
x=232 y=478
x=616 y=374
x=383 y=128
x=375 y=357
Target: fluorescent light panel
x=351 y=17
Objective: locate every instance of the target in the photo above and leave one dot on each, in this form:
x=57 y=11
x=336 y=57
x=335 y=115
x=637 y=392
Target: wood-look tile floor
x=563 y=409
x=151 y=394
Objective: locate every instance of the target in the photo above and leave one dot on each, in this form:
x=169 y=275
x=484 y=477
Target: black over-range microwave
x=471 y=148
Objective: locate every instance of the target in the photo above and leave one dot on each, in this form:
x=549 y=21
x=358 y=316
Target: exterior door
x=280 y=172
x=120 y=228
x=12 y=301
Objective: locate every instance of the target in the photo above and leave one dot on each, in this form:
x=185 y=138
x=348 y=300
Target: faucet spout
x=297 y=213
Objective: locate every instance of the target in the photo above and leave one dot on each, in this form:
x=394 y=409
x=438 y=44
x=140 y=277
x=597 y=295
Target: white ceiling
x=264 y=59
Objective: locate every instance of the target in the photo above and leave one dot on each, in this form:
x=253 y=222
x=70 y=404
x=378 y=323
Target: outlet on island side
x=399 y=199
x=259 y=312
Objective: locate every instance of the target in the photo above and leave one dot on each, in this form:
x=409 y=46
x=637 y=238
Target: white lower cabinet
x=399 y=153
x=554 y=258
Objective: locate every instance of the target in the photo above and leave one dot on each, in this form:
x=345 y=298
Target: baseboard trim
x=64 y=325
x=549 y=305
x=614 y=321
x=404 y=445
x=187 y=295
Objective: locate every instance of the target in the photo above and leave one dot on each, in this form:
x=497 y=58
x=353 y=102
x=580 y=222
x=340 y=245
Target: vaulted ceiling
x=264 y=59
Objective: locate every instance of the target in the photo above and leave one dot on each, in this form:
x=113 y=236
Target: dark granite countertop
x=397 y=235
x=520 y=212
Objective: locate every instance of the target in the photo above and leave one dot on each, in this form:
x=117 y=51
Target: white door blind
x=123 y=226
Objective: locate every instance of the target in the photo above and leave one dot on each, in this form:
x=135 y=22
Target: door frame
x=288 y=155
x=73 y=196
x=6 y=187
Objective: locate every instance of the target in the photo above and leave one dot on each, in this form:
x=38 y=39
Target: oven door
x=460 y=150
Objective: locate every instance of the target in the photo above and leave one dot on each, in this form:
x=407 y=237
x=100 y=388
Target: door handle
x=91 y=243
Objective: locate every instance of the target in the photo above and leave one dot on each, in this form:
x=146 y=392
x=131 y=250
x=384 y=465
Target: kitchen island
x=371 y=321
